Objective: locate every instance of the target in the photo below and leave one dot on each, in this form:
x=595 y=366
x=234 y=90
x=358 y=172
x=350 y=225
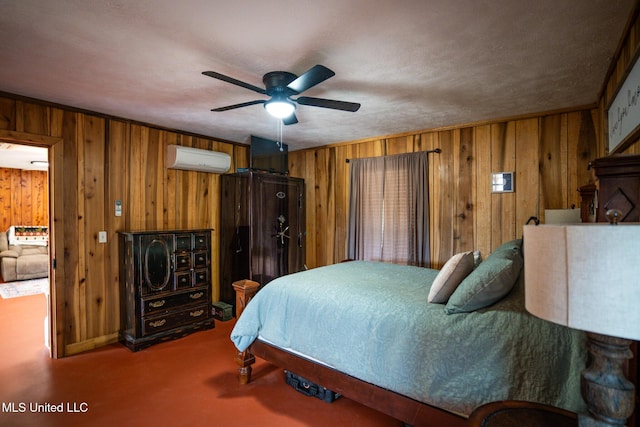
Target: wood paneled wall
x=24 y=197
x=107 y=160
x=549 y=155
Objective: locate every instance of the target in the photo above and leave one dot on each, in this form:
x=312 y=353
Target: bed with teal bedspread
x=372 y=321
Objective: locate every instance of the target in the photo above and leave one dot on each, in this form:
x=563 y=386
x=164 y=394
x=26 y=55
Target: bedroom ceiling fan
x=280 y=86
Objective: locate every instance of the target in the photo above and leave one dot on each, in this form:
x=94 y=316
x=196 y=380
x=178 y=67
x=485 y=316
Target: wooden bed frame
x=403 y=408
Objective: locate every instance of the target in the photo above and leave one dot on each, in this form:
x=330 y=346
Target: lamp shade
x=585 y=276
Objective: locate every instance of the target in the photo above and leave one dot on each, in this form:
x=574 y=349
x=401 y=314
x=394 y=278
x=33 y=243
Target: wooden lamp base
x=609 y=395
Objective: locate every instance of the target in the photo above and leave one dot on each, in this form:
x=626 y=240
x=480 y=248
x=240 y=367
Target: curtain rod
x=435 y=150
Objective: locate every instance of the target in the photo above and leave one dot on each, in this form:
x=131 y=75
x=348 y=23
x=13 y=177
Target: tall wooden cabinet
x=262 y=228
x=165 y=285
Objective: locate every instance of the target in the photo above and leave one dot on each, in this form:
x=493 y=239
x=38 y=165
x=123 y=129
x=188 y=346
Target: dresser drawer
x=183 y=242
x=183 y=279
x=169 y=302
x=201 y=241
x=183 y=261
x=155 y=324
x=201 y=277
x=200 y=259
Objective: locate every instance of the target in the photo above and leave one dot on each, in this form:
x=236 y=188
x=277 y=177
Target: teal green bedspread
x=372 y=321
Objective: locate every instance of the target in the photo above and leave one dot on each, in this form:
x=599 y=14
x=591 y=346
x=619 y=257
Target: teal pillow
x=491 y=281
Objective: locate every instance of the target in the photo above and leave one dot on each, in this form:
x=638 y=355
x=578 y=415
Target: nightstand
x=512 y=413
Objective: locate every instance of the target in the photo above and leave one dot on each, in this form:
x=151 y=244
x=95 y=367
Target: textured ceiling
x=411 y=64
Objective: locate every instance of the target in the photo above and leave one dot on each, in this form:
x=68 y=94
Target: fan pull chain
x=280 y=131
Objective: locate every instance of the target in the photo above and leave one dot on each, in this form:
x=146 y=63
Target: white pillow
x=453 y=272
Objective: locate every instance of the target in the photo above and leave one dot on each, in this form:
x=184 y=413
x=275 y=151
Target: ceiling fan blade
x=234 y=81
x=291 y=120
x=244 y=104
x=310 y=78
x=328 y=103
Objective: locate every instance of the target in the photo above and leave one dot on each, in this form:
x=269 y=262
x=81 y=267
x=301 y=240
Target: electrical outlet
x=102 y=237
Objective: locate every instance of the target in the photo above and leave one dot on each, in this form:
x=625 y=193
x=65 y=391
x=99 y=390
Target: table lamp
x=587 y=277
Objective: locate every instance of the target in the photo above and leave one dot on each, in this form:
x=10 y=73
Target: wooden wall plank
x=137 y=173
x=482 y=184
x=311 y=182
x=94 y=206
x=5 y=198
x=16 y=199
x=117 y=145
x=527 y=180
x=464 y=210
x=80 y=292
x=582 y=147
x=72 y=255
x=171 y=188
x=445 y=194
x=153 y=180
x=552 y=179
x=425 y=142
x=342 y=153
x=26 y=184
x=323 y=209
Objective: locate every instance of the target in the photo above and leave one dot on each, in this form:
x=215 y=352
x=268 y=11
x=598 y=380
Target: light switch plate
x=102 y=237
x=502 y=182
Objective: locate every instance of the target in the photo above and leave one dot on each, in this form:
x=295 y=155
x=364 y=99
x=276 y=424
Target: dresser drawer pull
x=197 y=295
x=157 y=304
x=196 y=313
x=158 y=323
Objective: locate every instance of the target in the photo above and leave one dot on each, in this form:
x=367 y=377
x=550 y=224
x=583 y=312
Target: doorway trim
x=56 y=230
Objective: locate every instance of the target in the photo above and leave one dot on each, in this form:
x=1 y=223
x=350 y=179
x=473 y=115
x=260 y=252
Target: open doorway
x=24 y=235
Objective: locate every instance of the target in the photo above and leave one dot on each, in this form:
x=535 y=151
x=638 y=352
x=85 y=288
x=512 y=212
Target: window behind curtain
x=389 y=209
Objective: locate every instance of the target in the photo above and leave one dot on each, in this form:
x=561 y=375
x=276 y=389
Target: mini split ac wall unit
x=196 y=159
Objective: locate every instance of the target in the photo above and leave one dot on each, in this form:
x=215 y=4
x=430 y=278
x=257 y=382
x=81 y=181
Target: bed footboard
x=245 y=290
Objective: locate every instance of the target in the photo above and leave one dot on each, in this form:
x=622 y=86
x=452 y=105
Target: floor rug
x=24 y=288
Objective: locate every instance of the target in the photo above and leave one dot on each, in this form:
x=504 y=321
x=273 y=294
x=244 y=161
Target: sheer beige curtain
x=389 y=209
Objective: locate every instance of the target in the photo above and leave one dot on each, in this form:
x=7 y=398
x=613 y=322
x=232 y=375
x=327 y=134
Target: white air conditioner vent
x=196 y=159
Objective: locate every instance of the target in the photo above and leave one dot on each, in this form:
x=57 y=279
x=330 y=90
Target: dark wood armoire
x=262 y=228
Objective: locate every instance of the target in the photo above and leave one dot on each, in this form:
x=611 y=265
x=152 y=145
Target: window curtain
x=389 y=209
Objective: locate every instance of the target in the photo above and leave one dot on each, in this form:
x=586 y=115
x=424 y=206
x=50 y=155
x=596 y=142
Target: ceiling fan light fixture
x=280 y=108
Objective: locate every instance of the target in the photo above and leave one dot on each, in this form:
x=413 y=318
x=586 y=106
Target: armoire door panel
x=262 y=228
